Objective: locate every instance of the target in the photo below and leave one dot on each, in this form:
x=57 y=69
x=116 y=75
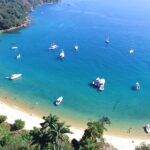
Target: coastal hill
x=13 y=13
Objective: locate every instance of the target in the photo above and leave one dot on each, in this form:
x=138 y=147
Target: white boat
x=18 y=56
x=76 y=47
x=14 y=47
x=107 y=40
x=53 y=47
x=62 y=54
x=147 y=128
x=131 y=51
x=59 y=100
x=101 y=84
x=15 y=76
x=137 y=86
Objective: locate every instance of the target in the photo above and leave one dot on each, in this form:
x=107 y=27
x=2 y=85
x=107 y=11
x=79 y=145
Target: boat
x=131 y=50
x=53 y=47
x=99 y=83
x=59 y=100
x=62 y=54
x=107 y=40
x=147 y=128
x=14 y=76
x=18 y=56
x=137 y=86
x=14 y=47
x=76 y=47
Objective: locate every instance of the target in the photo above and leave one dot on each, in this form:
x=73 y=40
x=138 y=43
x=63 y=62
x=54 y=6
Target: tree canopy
x=13 y=13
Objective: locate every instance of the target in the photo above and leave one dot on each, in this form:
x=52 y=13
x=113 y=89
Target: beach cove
x=45 y=78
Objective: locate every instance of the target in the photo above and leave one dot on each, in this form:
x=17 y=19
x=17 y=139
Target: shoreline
x=13 y=112
x=26 y=22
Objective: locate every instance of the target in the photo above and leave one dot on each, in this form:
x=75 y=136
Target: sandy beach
x=31 y=120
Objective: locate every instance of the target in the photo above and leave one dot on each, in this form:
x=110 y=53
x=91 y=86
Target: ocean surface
x=87 y=23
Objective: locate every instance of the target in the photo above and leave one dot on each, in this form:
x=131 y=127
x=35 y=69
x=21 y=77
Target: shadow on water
x=115 y=105
x=133 y=88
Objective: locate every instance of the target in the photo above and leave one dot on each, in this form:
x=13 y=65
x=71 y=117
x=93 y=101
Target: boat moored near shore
x=14 y=76
x=147 y=128
x=137 y=86
x=59 y=100
x=99 y=83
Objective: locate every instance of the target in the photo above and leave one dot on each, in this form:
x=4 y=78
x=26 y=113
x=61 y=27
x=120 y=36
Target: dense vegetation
x=51 y=136
x=14 y=12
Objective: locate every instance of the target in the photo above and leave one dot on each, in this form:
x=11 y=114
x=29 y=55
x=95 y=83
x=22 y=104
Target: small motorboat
x=53 y=47
x=137 y=86
x=62 y=54
x=131 y=51
x=18 y=56
x=14 y=76
x=76 y=47
x=107 y=40
x=147 y=128
x=14 y=47
x=59 y=100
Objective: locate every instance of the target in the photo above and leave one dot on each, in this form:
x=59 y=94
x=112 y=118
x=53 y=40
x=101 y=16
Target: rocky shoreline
x=24 y=24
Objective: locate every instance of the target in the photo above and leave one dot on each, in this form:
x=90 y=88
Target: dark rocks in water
x=105 y=120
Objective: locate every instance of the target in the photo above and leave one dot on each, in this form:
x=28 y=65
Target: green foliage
x=2 y=118
x=51 y=135
x=14 y=12
x=143 y=147
x=19 y=124
x=93 y=136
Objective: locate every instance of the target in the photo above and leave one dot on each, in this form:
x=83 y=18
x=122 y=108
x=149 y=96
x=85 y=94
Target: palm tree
x=40 y=139
x=49 y=122
x=52 y=132
x=58 y=135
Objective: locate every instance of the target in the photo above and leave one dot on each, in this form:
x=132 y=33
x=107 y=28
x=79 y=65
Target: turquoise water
x=87 y=23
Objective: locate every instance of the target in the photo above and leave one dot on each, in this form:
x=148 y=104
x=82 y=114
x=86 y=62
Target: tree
x=93 y=136
x=143 y=146
x=52 y=133
x=19 y=124
x=2 y=118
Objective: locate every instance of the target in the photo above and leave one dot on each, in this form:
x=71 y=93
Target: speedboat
x=131 y=51
x=53 y=47
x=137 y=86
x=18 y=56
x=62 y=54
x=14 y=47
x=59 y=100
x=76 y=47
x=107 y=41
x=14 y=76
x=147 y=128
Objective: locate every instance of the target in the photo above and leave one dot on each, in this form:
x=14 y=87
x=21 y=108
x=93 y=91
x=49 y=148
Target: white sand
x=31 y=121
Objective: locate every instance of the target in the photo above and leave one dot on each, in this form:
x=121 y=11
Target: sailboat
x=76 y=47
x=62 y=54
x=107 y=40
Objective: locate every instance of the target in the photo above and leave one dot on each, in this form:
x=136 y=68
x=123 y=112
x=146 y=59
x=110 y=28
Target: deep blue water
x=87 y=23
